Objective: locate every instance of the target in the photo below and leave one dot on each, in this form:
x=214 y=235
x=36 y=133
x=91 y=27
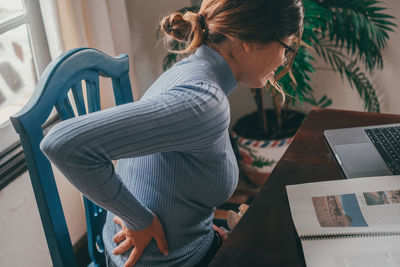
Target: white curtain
x=101 y=24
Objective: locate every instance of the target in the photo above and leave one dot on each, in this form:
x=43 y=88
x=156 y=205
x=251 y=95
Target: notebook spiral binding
x=347 y=235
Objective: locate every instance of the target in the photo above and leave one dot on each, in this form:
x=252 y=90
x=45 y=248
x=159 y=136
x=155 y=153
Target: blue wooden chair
x=63 y=75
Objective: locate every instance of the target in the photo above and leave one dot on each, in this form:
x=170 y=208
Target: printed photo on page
x=359 y=205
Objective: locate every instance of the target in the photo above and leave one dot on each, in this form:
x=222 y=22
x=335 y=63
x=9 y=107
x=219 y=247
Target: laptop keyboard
x=387 y=142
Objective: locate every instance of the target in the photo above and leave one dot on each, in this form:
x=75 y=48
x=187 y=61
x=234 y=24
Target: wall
x=22 y=239
x=20 y=228
x=147 y=51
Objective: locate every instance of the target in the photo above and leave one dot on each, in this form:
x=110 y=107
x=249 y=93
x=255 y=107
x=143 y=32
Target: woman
x=175 y=160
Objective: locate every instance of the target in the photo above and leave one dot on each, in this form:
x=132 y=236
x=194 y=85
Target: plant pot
x=259 y=156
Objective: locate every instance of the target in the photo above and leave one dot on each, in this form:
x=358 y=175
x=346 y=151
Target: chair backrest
x=63 y=75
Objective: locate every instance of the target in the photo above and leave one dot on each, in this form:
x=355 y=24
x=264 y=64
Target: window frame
x=9 y=141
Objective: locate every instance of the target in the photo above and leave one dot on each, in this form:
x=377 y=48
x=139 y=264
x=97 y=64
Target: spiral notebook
x=348 y=223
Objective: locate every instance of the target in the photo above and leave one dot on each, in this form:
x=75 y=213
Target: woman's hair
x=259 y=21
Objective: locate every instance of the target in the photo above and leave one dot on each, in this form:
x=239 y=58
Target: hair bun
x=176 y=26
x=189 y=27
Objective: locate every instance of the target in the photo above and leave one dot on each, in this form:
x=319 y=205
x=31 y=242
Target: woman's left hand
x=223 y=232
x=139 y=240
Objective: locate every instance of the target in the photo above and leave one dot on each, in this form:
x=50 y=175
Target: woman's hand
x=139 y=240
x=223 y=233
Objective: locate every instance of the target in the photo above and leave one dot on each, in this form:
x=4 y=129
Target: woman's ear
x=247 y=47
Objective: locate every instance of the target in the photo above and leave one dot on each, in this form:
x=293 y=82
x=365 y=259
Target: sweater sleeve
x=187 y=119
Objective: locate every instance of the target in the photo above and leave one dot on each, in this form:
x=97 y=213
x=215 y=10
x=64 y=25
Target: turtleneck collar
x=223 y=72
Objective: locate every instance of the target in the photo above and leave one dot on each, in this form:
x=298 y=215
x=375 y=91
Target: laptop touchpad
x=361 y=160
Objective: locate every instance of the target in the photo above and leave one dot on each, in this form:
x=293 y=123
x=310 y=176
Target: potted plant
x=349 y=35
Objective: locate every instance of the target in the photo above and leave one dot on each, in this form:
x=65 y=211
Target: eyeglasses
x=289 y=53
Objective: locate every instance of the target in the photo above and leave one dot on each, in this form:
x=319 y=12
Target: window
x=24 y=54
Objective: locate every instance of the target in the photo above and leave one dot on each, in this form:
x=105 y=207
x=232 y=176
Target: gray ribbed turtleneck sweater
x=174 y=158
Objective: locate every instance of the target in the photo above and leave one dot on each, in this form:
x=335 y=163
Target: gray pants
x=109 y=262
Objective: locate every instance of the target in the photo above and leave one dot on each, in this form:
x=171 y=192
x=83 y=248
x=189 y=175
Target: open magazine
x=348 y=223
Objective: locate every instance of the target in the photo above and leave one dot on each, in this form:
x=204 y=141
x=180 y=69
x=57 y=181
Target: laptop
x=366 y=151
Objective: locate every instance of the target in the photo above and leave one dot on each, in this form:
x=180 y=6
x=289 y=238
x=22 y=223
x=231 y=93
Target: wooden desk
x=266 y=235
